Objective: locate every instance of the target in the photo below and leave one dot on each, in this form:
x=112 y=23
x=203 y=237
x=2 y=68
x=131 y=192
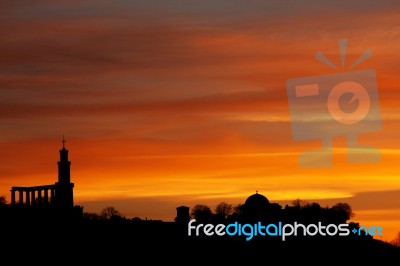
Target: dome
x=257 y=200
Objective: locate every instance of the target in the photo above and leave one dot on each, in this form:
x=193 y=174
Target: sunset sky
x=169 y=103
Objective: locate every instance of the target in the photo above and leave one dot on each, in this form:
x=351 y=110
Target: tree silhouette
x=343 y=210
x=396 y=240
x=223 y=209
x=298 y=203
x=238 y=209
x=201 y=213
x=236 y=213
x=91 y=216
x=3 y=200
x=109 y=213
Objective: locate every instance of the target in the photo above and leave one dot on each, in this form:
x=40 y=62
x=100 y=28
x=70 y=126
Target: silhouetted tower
x=64 y=197
x=182 y=214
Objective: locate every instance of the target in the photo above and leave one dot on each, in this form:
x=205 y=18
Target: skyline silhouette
x=35 y=202
x=61 y=196
x=115 y=235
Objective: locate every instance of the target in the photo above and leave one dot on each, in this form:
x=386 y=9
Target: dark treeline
x=300 y=210
x=111 y=237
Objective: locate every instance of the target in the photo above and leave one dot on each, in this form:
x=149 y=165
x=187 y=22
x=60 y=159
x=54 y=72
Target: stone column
x=33 y=199
x=46 y=197
x=13 y=196
x=39 y=197
x=28 y=197
x=52 y=196
x=21 y=196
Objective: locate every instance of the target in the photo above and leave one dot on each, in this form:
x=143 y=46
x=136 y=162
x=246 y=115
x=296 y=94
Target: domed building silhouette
x=257 y=200
x=256 y=207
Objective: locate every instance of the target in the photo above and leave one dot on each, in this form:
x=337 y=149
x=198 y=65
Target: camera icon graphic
x=339 y=104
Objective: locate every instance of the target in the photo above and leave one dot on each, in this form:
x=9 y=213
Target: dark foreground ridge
x=127 y=241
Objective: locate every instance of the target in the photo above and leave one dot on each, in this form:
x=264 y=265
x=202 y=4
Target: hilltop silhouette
x=37 y=227
x=111 y=237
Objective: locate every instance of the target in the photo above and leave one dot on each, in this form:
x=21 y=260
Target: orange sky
x=182 y=103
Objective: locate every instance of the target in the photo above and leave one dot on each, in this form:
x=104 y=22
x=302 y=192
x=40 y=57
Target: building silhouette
x=256 y=207
x=58 y=196
x=182 y=214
